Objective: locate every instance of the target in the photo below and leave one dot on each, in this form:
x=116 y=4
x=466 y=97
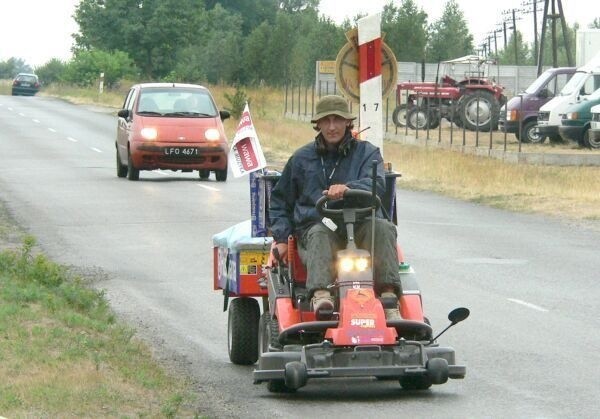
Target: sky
x=44 y=31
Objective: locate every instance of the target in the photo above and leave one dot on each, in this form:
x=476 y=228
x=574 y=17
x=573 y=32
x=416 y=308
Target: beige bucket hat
x=332 y=105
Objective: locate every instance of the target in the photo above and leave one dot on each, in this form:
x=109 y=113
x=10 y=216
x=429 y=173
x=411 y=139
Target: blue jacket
x=309 y=172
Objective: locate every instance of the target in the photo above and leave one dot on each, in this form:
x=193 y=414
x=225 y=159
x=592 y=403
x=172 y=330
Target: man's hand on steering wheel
x=335 y=191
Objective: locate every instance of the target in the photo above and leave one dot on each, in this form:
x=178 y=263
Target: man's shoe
x=322 y=303
x=391 y=313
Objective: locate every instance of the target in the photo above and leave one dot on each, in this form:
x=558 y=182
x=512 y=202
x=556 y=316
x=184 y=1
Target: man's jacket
x=310 y=171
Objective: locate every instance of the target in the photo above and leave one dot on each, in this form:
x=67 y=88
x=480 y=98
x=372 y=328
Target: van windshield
x=539 y=82
x=575 y=83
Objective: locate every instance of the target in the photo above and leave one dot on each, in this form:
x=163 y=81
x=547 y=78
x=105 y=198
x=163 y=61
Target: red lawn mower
x=357 y=341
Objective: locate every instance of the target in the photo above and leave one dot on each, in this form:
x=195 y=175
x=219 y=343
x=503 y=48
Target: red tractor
x=473 y=102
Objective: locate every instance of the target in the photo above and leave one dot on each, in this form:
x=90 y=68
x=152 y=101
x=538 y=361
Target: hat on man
x=332 y=105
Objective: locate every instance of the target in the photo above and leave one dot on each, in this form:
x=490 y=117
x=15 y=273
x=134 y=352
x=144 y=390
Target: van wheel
x=531 y=134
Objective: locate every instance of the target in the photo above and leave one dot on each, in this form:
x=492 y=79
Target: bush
x=85 y=68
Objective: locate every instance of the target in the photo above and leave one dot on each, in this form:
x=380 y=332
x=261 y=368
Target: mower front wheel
x=242 y=331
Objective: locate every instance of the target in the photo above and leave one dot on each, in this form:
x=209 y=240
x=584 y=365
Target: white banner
x=246 y=155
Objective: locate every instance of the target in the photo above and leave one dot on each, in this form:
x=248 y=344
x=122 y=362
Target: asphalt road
x=531 y=345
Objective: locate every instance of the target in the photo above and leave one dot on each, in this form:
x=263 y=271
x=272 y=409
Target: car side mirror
x=544 y=93
x=224 y=115
x=123 y=113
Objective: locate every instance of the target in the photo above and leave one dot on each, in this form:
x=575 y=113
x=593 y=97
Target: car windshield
x=539 y=82
x=178 y=102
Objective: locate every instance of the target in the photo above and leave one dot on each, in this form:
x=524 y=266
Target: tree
x=595 y=24
x=151 y=32
x=524 y=54
x=449 y=36
x=85 y=67
x=13 y=66
x=405 y=30
x=51 y=72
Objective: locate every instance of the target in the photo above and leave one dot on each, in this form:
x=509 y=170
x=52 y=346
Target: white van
x=584 y=82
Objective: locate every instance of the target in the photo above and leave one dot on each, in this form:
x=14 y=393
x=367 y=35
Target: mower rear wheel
x=242 y=331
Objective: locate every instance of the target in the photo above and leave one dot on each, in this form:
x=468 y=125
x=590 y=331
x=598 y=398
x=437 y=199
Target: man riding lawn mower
x=341 y=301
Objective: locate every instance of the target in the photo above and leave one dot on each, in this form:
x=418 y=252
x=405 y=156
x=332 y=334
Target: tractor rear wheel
x=242 y=331
x=479 y=110
x=417 y=118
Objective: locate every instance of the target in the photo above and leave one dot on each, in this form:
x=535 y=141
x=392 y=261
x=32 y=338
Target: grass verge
x=64 y=354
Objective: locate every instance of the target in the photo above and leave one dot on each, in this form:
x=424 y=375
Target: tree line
x=246 y=42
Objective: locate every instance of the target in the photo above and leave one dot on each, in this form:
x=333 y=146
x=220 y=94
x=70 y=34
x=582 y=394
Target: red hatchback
x=171 y=126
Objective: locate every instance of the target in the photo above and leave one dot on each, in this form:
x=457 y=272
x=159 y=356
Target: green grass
x=63 y=353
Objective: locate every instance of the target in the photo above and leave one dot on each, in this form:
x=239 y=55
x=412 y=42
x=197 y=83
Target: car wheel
x=242 y=331
x=132 y=172
x=121 y=168
x=221 y=175
x=204 y=174
x=531 y=134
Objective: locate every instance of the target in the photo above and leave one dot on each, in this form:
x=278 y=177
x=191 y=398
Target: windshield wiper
x=149 y=113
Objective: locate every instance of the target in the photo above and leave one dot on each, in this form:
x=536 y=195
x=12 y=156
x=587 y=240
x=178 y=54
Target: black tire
x=278 y=386
x=556 y=139
x=121 y=168
x=591 y=142
x=399 y=115
x=204 y=174
x=417 y=117
x=586 y=141
x=482 y=117
x=242 y=331
x=268 y=334
x=132 y=172
x=434 y=120
x=221 y=175
x=530 y=133
x=420 y=382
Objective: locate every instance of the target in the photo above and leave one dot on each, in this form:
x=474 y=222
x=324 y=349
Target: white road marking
x=9 y=108
x=97 y=150
x=21 y=114
x=210 y=188
x=73 y=140
x=51 y=130
x=36 y=121
x=526 y=304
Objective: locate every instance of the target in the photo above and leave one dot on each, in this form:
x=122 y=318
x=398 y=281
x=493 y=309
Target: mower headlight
x=149 y=133
x=361 y=264
x=346 y=264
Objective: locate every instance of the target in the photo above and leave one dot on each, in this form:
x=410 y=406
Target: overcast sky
x=44 y=30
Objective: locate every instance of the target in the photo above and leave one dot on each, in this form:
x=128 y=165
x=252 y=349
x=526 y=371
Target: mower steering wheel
x=356 y=197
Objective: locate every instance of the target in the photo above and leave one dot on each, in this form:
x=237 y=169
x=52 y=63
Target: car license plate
x=25 y=84
x=180 y=151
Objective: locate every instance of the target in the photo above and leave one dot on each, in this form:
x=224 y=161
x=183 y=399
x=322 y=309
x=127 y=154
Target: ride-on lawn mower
x=356 y=341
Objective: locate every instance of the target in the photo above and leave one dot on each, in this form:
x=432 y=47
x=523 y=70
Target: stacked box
x=261 y=185
x=238 y=260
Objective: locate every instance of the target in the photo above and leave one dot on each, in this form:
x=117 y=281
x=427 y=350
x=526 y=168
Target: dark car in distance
x=25 y=84
x=171 y=126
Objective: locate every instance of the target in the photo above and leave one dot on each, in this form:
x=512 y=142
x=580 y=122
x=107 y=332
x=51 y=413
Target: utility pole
x=534 y=9
x=553 y=16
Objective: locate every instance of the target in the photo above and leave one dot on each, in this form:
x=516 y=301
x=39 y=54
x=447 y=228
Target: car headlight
x=212 y=134
x=512 y=115
x=348 y=264
x=149 y=133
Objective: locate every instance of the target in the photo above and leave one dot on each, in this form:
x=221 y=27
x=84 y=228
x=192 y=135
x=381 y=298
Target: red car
x=171 y=126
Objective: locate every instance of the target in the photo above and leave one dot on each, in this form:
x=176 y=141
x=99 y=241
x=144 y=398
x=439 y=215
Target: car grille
x=596 y=116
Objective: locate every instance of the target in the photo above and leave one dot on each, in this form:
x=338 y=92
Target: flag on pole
x=246 y=155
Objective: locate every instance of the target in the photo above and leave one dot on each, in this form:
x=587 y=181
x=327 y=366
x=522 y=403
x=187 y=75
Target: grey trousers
x=318 y=247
